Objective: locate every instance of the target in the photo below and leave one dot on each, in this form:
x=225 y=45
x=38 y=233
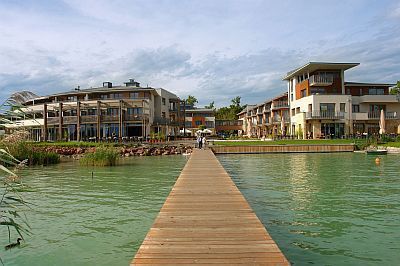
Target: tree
x=210 y=106
x=191 y=100
x=230 y=112
x=396 y=90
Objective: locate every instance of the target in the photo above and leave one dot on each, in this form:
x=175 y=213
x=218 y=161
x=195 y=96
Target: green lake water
x=322 y=209
x=77 y=220
x=325 y=209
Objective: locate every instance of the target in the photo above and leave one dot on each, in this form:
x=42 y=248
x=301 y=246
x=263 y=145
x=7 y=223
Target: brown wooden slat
x=206 y=220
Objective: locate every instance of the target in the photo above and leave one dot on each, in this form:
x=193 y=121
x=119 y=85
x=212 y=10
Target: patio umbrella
x=186 y=131
x=382 y=123
x=283 y=126
x=206 y=131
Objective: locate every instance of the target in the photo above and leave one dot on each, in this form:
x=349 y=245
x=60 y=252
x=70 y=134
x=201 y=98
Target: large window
x=134 y=95
x=198 y=123
x=376 y=91
x=327 y=107
x=135 y=111
x=356 y=108
x=377 y=107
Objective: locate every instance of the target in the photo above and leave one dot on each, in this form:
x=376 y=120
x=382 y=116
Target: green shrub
x=24 y=150
x=103 y=156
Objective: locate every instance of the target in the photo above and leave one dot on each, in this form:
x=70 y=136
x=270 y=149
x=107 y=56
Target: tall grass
x=24 y=150
x=103 y=156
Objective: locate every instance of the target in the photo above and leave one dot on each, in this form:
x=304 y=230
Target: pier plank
x=206 y=220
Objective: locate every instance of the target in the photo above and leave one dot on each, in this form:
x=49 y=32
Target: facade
x=324 y=105
x=267 y=119
x=196 y=117
x=103 y=113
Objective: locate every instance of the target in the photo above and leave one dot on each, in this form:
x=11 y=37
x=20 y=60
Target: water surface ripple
x=77 y=220
x=325 y=209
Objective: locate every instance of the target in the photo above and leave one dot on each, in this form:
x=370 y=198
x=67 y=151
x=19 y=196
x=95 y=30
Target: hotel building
x=322 y=104
x=196 y=117
x=270 y=118
x=103 y=113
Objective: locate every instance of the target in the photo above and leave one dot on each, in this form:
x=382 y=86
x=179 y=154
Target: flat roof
x=313 y=66
x=369 y=84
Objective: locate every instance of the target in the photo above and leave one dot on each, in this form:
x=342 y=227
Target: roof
x=369 y=84
x=199 y=110
x=313 y=66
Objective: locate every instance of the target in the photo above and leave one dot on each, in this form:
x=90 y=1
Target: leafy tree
x=396 y=89
x=230 y=112
x=210 y=106
x=191 y=100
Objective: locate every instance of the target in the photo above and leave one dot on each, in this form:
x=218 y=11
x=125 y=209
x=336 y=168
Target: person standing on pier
x=199 y=142
x=204 y=142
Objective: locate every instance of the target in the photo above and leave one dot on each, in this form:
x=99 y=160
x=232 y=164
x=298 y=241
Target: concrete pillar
x=120 y=119
x=44 y=133
x=78 y=120
x=98 y=120
x=60 y=122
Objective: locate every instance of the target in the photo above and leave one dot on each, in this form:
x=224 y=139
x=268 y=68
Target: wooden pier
x=206 y=220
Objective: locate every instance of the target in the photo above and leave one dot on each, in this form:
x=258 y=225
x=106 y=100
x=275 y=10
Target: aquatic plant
x=103 y=156
x=24 y=150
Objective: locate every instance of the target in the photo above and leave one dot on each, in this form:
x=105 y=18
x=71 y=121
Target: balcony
x=109 y=118
x=70 y=120
x=278 y=119
x=388 y=115
x=379 y=99
x=278 y=105
x=325 y=115
x=89 y=119
x=135 y=117
x=53 y=120
x=317 y=80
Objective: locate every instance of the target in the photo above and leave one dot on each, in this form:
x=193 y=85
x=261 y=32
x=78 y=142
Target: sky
x=214 y=50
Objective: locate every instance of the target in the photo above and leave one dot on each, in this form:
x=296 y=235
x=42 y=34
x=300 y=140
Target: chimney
x=132 y=82
x=107 y=84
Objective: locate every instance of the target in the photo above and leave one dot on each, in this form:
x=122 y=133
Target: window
x=134 y=95
x=327 y=107
x=317 y=91
x=91 y=111
x=377 y=107
x=135 y=111
x=298 y=110
x=112 y=111
x=293 y=112
x=376 y=91
x=163 y=114
x=198 y=123
x=115 y=96
x=104 y=96
x=356 y=108
x=209 y=124
x=163 y=101
x=303 y=93
x=342 y=107
x=72 y=98
x=291 y=97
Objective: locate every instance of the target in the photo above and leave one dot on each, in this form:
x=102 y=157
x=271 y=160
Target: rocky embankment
x=125 y=151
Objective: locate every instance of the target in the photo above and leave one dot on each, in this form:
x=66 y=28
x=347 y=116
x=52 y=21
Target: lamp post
x=184 y=117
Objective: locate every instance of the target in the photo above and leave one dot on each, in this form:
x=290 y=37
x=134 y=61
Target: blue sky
x=214 y=50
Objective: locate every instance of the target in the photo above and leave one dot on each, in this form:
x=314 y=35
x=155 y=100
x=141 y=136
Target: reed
x=103 y=156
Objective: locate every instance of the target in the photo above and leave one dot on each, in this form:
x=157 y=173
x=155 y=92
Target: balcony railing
x=280 y=105
x=388 y=115
x=70 y=119
x=276 y=119
x=317 y=80
x=88 y=118
x=135 y=117
x=325 y=115
x=109 y=118
x=53 y=120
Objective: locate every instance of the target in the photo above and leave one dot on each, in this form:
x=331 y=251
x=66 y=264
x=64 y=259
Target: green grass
x=392 y=144
x=103 y=156
x=284 y=142
x=24 y=150
x=69 y=144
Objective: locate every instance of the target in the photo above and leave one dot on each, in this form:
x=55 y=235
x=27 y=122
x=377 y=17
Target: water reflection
x=324 y=208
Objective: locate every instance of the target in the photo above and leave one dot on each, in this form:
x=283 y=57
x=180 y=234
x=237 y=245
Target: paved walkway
x=206 y=220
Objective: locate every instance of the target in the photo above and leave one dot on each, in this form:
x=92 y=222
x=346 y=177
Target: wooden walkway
x=206 y=220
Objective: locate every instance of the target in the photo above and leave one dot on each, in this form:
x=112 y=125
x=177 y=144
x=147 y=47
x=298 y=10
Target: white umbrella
x=186 y=131
x=382 y=123
x=206 y=131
